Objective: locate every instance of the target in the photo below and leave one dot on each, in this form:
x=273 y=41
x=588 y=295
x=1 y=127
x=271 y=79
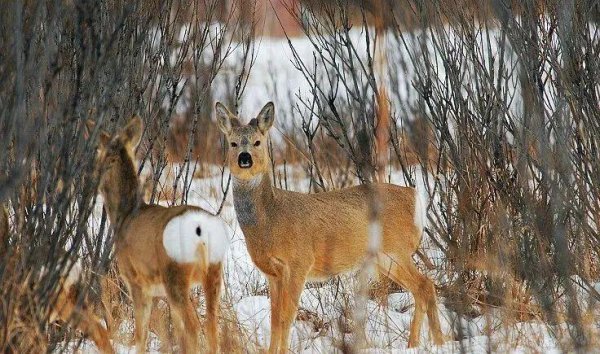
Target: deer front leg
x=274 y=286
x=289 y=283
x=279 y=283
x=290 y=295
x=212 y=289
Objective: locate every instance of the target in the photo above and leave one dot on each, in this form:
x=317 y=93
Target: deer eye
x=233 y=145
x=257 y=143
x=198 y=231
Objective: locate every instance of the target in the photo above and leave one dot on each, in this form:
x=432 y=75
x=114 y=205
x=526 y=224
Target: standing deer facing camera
x=293 y=237
x=160 y=251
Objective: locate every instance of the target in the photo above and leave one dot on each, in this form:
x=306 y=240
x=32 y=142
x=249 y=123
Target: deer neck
x=251 y=199
x=120 y=190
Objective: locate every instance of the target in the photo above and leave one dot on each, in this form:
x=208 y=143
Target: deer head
x=247 y=155
x=116 y=162
x=113 y=150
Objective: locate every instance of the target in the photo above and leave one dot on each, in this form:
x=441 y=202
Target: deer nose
x=245 y=160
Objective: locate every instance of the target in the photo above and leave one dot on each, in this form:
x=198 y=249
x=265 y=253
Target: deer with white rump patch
x=294 y=237
x=160 y=251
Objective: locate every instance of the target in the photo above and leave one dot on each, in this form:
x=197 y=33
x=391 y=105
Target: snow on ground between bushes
x=320 y=325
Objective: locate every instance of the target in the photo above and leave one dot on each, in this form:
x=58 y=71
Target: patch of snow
x=254 y=314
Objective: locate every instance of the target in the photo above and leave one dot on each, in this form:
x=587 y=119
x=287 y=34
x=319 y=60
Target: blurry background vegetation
x=496 y=117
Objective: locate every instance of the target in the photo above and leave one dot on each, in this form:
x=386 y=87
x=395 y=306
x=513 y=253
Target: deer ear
x=225 y=119
x=266 y=117
x=133 y=131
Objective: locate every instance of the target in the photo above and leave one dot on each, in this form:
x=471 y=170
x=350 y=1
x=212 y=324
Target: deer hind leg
x=406 y=274
x=432 y=314
x=142 y=305
x=212 y=289
x=185 y=319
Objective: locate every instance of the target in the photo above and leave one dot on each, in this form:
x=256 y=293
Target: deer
x=160 y=251
x=66 y=307
x=294 y=237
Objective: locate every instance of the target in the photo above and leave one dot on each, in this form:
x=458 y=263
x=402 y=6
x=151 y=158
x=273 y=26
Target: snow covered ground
x=322 y=306
x=321 y=328
x=321 y=323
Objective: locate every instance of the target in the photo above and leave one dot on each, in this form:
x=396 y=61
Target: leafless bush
x=494 y=113
x=65 y=62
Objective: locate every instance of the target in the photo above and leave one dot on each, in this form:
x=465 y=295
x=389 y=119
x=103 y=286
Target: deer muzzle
x=244 y=160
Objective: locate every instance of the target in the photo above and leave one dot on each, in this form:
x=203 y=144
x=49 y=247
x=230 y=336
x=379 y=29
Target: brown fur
x=140 y=255
x=293 y=237
x=66 y=307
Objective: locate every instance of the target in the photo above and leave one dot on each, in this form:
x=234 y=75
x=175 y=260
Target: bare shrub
x=494 y=114
x=65 y=62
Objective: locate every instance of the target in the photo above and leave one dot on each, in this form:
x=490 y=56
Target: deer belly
x=335 y=262
x=317 y=275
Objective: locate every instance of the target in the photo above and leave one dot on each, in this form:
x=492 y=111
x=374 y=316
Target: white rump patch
x=419 y=216
x=182 y=242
